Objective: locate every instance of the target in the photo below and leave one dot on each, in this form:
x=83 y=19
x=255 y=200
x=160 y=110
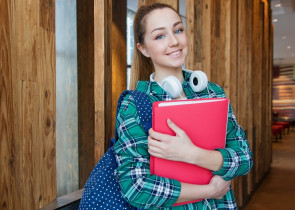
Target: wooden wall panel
x=119 y=54
x=8 y=147
x=266 y=129
x=85 y=52
x=233 y=76
x=198 y=29
x=94 y=82
x=28 y=78
x=46 y=64
x=102 y=76
x=227 y=50
x=257 y=78
x=248 y=185
x=31 y=154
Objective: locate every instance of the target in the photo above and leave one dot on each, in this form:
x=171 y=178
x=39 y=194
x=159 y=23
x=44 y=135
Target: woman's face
x=165 y=40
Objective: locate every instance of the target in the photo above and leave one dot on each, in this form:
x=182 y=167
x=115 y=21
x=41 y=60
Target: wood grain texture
x=28 y=69
x=119 y=54
x=257 y=78
x=102 y=77
x=227 y=48
x=94 y=28
x=85 y=56
x=8 y=147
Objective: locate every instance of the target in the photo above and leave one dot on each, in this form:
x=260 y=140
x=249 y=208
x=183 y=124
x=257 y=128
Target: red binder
x=204 y=121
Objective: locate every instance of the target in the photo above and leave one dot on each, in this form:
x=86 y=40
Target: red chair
x=286 y=125
x=277 y=131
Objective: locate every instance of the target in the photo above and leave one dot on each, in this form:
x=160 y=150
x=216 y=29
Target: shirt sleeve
x=139 y=187
x=237 y=156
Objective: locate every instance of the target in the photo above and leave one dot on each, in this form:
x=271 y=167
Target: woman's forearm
x=209 y=159
x=191 y=192
x=216 y=189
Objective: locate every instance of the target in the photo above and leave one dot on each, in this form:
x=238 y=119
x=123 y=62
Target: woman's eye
x=160 y=37
x=178 y=31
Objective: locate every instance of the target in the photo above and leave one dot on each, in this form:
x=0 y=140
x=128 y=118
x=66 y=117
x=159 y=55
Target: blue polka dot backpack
x=102 y=190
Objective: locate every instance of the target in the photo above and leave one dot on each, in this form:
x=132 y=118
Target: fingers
x=174 y=127
x=158 y=136
x=155 y=147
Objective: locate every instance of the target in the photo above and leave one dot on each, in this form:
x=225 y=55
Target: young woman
x=161 y=47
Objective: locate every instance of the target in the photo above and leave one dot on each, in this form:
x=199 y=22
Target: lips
x=175 y=53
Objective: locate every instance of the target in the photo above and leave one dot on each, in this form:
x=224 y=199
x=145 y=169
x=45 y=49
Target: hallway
x=277 y=191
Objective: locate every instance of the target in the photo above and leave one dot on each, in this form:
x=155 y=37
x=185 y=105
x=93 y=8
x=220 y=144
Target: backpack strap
x=143 y=106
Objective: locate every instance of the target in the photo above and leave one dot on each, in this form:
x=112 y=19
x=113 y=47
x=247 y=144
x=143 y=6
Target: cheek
x=156 y=49
x=184 y=41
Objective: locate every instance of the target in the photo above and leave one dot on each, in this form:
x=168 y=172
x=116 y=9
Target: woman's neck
x=160 y=75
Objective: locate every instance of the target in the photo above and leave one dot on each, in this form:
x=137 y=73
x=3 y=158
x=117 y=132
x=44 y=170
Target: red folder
x=204 y=121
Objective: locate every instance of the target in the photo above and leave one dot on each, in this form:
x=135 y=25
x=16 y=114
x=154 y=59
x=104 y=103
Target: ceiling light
x=284 y=37
x=293 y=54
x=288 y=47
x=277 y=5
x=275 y=20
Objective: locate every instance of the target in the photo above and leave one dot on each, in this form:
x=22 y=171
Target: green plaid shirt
x=146 y=191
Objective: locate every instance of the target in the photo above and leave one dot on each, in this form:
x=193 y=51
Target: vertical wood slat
x=47 y=62
x=198 y=29
x=228 y=42
x=30 y=147
x=249 y=71
x=9 y=160
x=85 y=52
x=102 y=76
x=119 y=54
x=190 y=19
x=265 y=66
x=241 y=100
x=244 y=114
x=30 y=51
x=257 y=78
x=95 y=82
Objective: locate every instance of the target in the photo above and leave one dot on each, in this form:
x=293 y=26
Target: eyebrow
x=161 y=28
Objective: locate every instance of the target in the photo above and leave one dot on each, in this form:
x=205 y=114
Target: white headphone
x=198 y=82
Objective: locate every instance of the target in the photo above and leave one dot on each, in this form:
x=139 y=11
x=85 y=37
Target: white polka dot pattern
x=102 y=190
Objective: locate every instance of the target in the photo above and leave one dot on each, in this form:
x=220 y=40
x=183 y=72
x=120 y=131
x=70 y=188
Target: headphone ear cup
x=198 y=81
x=172 y=86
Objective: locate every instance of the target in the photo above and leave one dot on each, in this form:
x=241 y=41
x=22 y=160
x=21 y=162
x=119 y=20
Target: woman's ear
x=142 y=49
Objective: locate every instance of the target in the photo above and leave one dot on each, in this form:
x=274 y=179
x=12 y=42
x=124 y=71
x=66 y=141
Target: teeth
x=175 y=53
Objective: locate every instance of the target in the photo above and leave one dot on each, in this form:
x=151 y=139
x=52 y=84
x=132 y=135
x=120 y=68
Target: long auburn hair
x=142 y=66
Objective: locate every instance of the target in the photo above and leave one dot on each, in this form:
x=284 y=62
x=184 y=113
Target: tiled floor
x=277 y=191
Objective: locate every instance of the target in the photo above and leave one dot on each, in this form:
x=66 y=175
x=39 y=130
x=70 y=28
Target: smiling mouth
x=175 y=53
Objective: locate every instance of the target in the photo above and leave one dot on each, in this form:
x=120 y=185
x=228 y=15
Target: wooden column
x=198 y=29
x=257 y=78
x=27 y=115
x=94 y=82
x=244 y=102
x=266 y=129
x=85 y=52
x=119 y=54
x=102 y=76
x=211 y=30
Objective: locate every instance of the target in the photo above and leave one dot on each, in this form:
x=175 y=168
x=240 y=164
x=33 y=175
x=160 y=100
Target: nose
x=173 y=41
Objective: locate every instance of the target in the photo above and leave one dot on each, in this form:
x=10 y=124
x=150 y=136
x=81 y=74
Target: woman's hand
x=219 y=187
x=170 y=147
